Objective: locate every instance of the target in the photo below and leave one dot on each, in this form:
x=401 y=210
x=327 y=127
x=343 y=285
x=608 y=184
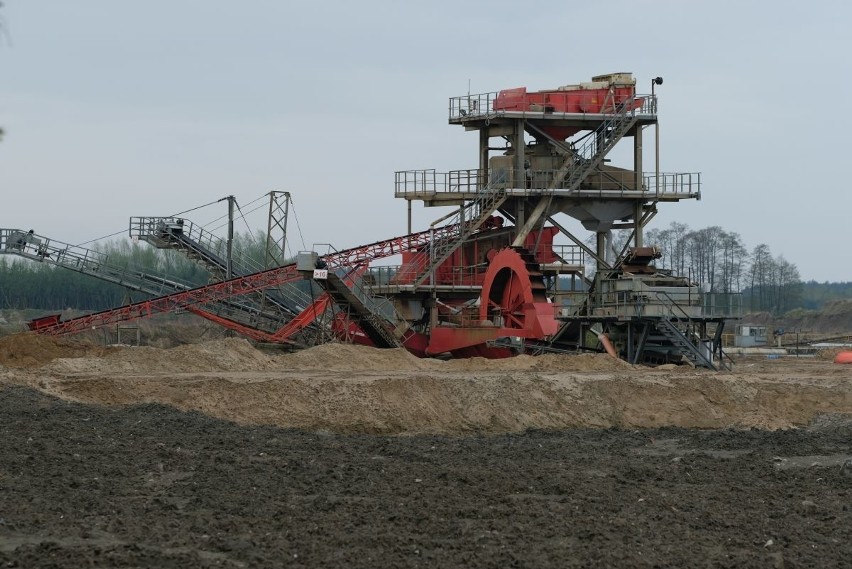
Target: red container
x=575 y=101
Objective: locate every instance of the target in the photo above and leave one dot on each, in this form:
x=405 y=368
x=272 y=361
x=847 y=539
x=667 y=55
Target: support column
x=601 y=245
x=229 y=268
x=638 y=239
x=657 y=154
x=638 y=180
x=518 y=144
x=483 y=157
x=521 y=215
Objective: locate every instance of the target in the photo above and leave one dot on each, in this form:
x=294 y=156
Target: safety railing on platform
x=173 y=230
x=478 y=105
x=638 y=301
x=428 y=183
x=490 y=105
x=572 y=255
x=179 y=231
x=451 y=277
x=29 y=245
x=472 y=275
x=37 y=247
x=682 y=183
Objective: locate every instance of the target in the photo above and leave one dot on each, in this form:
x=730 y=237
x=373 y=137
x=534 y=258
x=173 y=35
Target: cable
x=242 y=216
x=226 y=215
x=193 y=209
x=226 y=223
x=299 y=227
x=99 y=238
x=123 y=230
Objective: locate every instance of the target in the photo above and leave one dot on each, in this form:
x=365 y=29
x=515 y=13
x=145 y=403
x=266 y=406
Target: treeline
x=815 y=295
x=41 y=285
x=723 y=263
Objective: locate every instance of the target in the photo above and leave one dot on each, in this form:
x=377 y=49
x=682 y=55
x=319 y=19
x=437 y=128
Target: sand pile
x=349 y=357
x=28 y=350
x=343 y=357
x=229 y=354
x=543 y=363
x=354 y=389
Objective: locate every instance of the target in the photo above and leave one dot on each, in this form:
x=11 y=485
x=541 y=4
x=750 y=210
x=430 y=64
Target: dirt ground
x=218 y=454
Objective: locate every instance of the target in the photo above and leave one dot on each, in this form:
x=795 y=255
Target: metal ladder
x=363 y=310
x=580 y=164
x=98 y=265
x=686 y=348
x=487 y=202
x=207 y=248
x=589 y=156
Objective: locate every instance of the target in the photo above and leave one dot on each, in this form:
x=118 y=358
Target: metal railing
x=488 y=105
x=167 y=231
x=452 y=277
x=569 y=254
x=478 y=105
x=428 y=183
x=639 y=302
x=118 y=270
x=38 y=247
x=43 y=249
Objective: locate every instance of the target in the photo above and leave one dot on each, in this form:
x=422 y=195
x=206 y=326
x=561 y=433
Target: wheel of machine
x=511 y=284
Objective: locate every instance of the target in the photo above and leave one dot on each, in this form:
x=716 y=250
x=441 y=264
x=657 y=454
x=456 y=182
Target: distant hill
x=835 y=317
x=816 y=295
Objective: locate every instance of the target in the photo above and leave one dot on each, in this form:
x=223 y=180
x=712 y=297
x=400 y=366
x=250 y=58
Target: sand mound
x=355 y=389
x=580 y=362
x=28 y=350
x=229 y=354
x=343 y=357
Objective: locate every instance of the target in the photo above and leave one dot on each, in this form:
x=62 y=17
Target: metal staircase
x=486 y=203
x=362 y=309
x=42 y=249
x=227 y=291
x=589 y=156
x=686 y=348
x=577 y=166
x=210 y=250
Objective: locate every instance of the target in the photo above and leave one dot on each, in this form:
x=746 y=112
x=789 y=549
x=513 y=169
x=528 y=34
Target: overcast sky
x=115 y=108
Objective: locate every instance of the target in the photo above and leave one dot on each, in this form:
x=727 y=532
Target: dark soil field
x=152 y=486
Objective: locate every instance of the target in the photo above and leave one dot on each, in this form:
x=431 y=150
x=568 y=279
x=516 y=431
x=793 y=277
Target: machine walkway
x=242 y=285
x=29 y=245
x=209 y=250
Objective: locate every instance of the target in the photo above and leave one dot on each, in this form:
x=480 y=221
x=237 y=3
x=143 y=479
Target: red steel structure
x=488 y=282
x=194 y=299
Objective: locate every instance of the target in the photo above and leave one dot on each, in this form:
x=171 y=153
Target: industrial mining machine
x=489 y=279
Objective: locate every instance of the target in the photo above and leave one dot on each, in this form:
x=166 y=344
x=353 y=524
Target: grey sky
x=115 y=108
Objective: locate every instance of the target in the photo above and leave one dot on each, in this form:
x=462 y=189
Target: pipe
x=607 y=344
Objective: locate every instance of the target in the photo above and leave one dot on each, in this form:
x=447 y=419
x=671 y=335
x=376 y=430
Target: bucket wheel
x=511 y=285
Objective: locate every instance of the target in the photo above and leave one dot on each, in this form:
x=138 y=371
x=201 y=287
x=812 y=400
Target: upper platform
x=458 y=186
x=565 y=110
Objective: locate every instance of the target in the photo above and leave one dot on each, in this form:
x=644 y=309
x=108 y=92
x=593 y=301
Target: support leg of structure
x=638 y=239
x=532 y=220
x=600 y=237
x=640 y=347
x=520 y=155
x=483 y=159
